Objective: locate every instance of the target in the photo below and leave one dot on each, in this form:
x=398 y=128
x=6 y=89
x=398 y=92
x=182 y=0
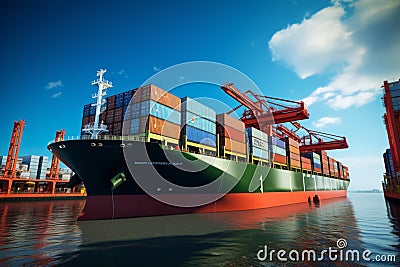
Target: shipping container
x=127 y=97
x=259 y=153
x=277 y=142
x=198 y=122
x=126 y=127
x=255 y=142
x=294 y=156
x=306 y=163
x=229 y=132
x=197 y=108
x=92 y=109
x=253 y=132
x=226 y=120
x=234 y=146
x=295 y=163
x=86 y=110
x=118 y=115
x=198 y=136
x=154 y=125
x=279 y=159
x=278 y=150
x=110 y=102
x=158 y=110
x=152 y=92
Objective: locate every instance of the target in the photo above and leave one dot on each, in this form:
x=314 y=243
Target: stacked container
x=278 y=150
x=198 y=125
x=332 y=163
x=340 y=169
x=306 y=163
x=324 y=161
x=258 y=144
x=232 y=138
x=389 y=167
x=315 y=161
x=293 y=151
x=158 y=112
x=345 y=172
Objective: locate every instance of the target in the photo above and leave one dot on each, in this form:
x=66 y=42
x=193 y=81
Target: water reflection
x=224 y=239
x=36 y=233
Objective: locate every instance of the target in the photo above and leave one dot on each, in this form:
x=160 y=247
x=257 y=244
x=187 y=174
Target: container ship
x=28 y=178
x=147 y=152
x=391 y=157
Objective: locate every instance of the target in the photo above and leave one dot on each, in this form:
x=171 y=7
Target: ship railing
x=104 y=137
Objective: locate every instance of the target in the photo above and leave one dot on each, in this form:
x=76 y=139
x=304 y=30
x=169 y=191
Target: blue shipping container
x=259 y=153
x=279 y=150
x=135 y=110
x=276 y=141
x=165 y=113
x=92 y=110
x=135 y=126
x=199 y=136
x=197 y=108
x=198 y=122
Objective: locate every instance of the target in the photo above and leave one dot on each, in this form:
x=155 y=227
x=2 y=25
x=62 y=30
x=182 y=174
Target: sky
x=334 y=55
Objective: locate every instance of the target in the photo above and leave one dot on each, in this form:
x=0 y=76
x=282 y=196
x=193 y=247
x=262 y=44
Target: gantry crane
x=259 y=116
x=55 y=162
x=262 y=107
x=15 y=144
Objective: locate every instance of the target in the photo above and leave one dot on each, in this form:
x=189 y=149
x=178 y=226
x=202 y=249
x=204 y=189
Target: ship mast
x=102 y=85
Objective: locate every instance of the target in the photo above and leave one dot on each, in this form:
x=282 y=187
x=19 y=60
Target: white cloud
x=121 y=72
x=359 y=49
x=325 y=121
x=156 y=69
x=52 y=85
x=56 y=95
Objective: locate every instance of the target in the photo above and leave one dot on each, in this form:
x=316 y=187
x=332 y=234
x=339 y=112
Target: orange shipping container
x=163 y=128
x=234 y=146
x=294 y=156
x=279 y=159
x=306 y=166
x=226 y=120
x=159 y=95
x=229 y=132
x=291 y=142
x=295 y=163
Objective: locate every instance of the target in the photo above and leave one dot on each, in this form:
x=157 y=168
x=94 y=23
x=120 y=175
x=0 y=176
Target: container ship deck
x=146 y=152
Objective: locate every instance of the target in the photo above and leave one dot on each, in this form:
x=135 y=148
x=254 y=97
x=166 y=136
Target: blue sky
x=332 y=54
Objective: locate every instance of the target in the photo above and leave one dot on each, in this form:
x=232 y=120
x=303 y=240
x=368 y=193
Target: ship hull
x=97 y=162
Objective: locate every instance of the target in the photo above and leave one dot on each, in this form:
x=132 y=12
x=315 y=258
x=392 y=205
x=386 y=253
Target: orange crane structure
x=15 y=187
x=15 y=144
x=265 y=111
x=55 y=162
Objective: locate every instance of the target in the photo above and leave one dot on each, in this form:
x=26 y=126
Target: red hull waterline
x=130 y=206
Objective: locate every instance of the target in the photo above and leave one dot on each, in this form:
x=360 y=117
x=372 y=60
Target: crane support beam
x=55 y=162
x=15 y=144
x=329 y=145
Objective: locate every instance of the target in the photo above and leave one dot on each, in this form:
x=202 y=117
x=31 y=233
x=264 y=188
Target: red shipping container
x=111 y=102
x=126 y=127
x=118 y=115
x=229 y=132
x=110 y=116
x=279 y=159
x=306 y=166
